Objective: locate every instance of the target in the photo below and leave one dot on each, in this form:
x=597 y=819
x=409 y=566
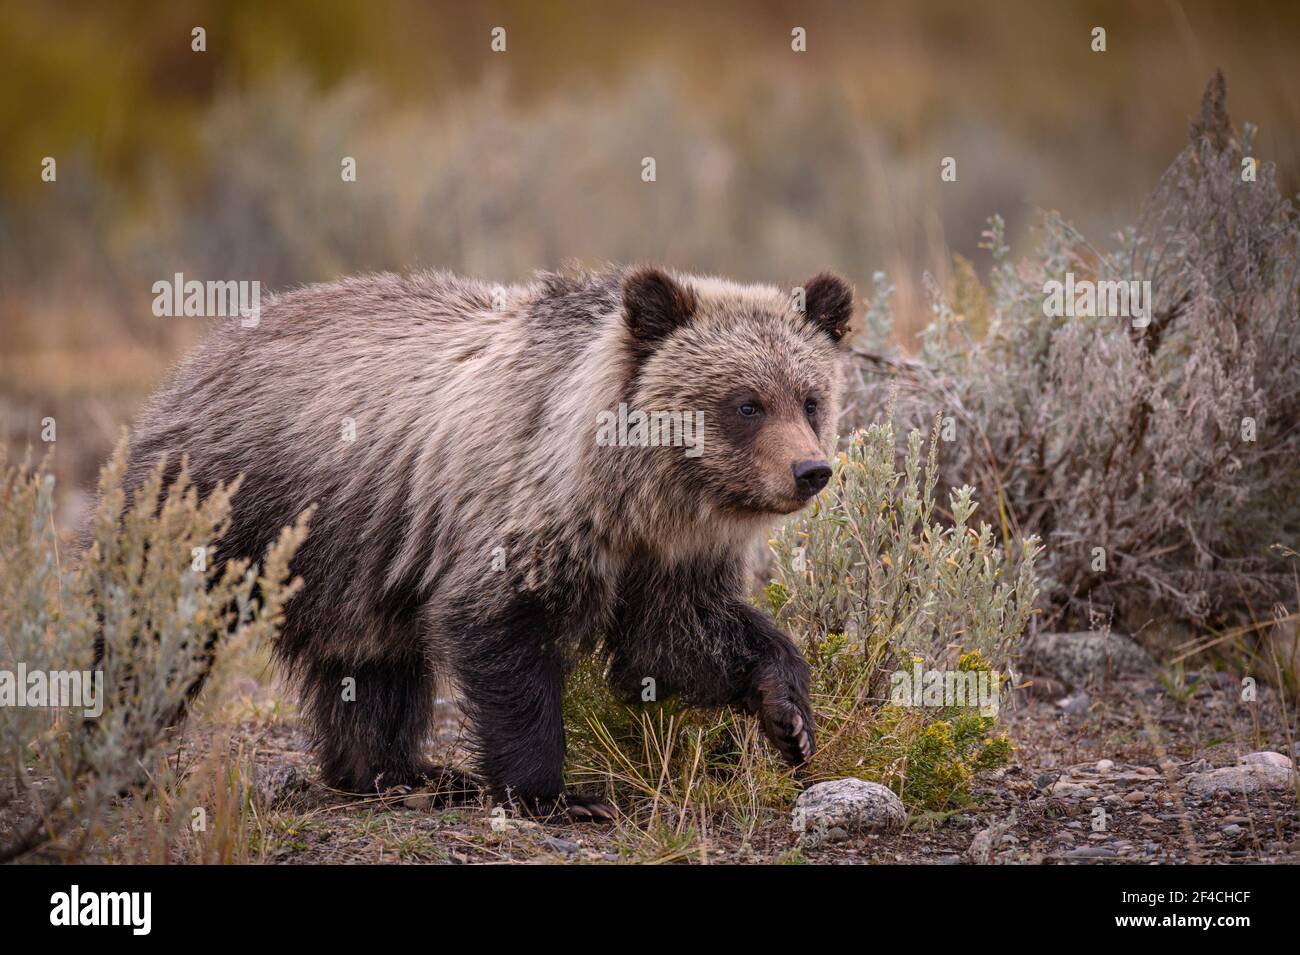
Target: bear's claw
x=789 y=730
x=567 y=806
x=780 y=702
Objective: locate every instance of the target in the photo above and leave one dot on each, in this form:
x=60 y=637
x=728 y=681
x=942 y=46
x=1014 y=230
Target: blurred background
x=770 y=164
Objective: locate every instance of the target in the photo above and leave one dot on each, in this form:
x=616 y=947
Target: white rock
x=1266 y=759
x=1105 y=765
x=847 y=804
x=1242 y=778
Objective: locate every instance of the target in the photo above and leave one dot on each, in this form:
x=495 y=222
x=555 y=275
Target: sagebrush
x=151 y=587
x=1159 y=463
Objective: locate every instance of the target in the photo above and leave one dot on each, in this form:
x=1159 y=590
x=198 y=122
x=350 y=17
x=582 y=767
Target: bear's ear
x=654 y=304
x=828 y=304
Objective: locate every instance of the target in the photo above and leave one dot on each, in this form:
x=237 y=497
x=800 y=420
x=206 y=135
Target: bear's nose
x=811 y=476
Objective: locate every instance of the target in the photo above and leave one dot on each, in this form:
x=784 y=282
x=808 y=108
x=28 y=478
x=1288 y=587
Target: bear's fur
x=475 y=529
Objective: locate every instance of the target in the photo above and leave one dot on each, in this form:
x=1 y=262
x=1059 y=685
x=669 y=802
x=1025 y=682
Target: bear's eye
x=810 y=407
x=749 y=410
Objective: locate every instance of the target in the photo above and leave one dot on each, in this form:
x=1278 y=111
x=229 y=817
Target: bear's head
x=760 y=374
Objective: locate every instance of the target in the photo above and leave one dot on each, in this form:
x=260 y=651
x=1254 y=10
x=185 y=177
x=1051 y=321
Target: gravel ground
x=1109 y=777
x=1134 y=773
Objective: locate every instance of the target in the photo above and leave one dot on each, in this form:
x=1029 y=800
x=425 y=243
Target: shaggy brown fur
x=476 y=529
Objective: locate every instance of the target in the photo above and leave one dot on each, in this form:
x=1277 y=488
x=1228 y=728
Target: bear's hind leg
x=369 y=734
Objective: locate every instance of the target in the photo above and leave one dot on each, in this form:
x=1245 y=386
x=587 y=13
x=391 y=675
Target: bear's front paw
x=780 y=700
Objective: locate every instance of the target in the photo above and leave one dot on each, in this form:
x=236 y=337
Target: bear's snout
x=811 y=476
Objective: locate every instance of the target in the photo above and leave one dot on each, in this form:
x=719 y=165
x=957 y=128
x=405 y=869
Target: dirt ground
x=1102 y=780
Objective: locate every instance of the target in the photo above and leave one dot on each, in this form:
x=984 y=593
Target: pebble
x=277 y=785
x=1266 y=759
x=1068 y=788
x=562 y=846
x=1091 y=852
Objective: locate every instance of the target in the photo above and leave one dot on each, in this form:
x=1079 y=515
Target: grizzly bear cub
x=506 y=477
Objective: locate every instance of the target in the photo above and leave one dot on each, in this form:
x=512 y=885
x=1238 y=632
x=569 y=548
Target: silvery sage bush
x=873 y=570
x=1158 y=461
x=152 y=585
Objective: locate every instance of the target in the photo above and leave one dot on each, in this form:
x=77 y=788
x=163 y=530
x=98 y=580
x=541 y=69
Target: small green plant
x=1173 y=677
x=150 y=586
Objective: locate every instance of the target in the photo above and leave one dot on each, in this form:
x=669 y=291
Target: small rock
x=419 y=801
x=1105 y=765
x=278 y=784
x=847 y=804
x=1242 y=778
x=984 y=845
x=1069 y=789
x=499 y=822
x=1266 y=759
x=1091 y=852
x=1135 y=797
x=1232 y=830
x=562 y=846
x=1077 y=704
x=1087 y=657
